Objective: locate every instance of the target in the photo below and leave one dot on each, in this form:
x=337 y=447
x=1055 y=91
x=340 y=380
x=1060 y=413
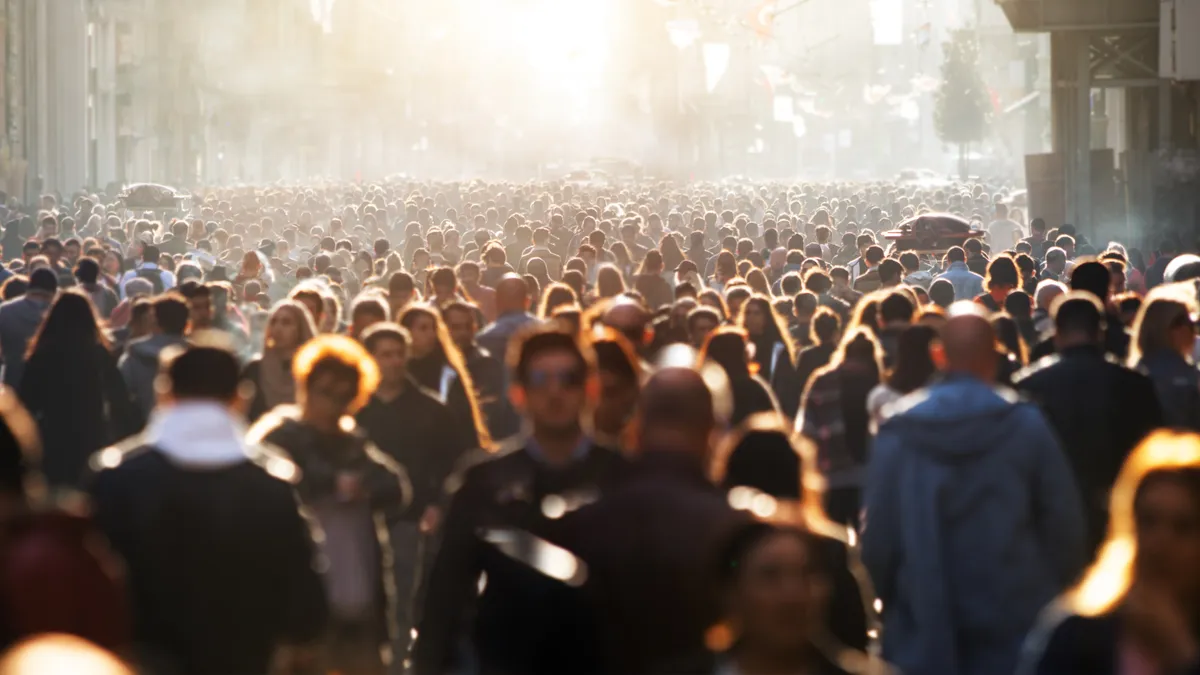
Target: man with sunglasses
x=501 y=516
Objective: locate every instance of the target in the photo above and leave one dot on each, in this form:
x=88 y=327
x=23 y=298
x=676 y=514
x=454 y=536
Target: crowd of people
x=729 y=428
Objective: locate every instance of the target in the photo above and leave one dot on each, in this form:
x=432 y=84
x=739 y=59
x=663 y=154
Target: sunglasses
x=566 y=379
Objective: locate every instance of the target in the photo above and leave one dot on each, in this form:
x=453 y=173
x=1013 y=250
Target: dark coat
x=418 y=431
x=219 y=560
x=1100 y=411
x=1178 y=385
x=321 y=458
x=647 y=547
x=521 y=623
x=810 y=360
x=1080 y=644
x=751 y=394
x=81 y=405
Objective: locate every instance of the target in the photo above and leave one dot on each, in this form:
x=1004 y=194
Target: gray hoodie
x=139 y=367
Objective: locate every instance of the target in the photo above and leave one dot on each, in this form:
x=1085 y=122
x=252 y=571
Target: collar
x=198 y=434
x=578 y=453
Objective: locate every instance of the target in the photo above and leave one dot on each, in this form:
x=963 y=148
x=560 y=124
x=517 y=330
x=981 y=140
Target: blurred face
x=618 y=399
x=424 y=336
x=755 y=319
x=327 y=398
x=701 y=328
x=200 y=311
x=778 y=598
x=392 y=358
x=1183 y=335
x=1168 y=538
x=735 y=305
x=421 y=261
x=461 y=326
x=283 y=331
x=72 y=250
x=555 y=391
x=1117 y=283
x=470 y=277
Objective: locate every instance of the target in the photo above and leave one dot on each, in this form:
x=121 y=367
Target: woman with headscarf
x=289 y=326
x=74 y=390
x=436 y=364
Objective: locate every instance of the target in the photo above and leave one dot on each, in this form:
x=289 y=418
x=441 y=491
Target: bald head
x=676 y=412
x=512 y=295
x=969 y=342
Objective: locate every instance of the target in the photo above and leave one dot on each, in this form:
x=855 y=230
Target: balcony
x=1040 y=16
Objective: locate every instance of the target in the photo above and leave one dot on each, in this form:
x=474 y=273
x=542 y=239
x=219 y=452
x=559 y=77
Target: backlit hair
x=1109 y=579
x=344 y=353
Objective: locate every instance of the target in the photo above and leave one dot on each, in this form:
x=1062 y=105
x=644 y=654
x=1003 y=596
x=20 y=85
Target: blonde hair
x=345 y=353
x=1108 y=579
x=1152 y=326
x=303 y=317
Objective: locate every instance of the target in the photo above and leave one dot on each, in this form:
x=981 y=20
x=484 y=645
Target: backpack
x=154 y=276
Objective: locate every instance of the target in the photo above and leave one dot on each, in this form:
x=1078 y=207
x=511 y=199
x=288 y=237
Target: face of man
x=73 y=251
x=392 y=358
x=461 y=326
x=200 y=311
x=555 y=391
x=701 y=328
x=327 y=398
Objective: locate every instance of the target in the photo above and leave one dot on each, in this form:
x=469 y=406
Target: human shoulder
x=1037 y=372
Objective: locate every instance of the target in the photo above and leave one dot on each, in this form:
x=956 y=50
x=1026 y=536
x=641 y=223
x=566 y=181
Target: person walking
x=139 y=364
x=74 y=390
x=973 y=519
x=221 y=565
x=355 y=492
x=1098 y=408
x=520 y=622
x=20 y=320
x=1162 y=347
x=415 y=428
x=289 y=327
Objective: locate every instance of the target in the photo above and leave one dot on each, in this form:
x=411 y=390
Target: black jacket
x=647 y=547
x=220 y=563
x=487 y=374
x=1081 y=644
x=321 y=457
x=810 y=360
x=521 y=622
x=417 y=430
x=1178 y=385
x=1100 y=410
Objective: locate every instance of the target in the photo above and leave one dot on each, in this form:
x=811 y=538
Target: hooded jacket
x=973 y=524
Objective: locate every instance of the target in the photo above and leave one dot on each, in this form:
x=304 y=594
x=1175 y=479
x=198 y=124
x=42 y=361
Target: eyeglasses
x=566 y=379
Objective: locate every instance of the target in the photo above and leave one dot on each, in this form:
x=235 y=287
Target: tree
x=963 y=108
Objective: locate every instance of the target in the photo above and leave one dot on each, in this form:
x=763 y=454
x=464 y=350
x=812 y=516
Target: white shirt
x=1000 y=235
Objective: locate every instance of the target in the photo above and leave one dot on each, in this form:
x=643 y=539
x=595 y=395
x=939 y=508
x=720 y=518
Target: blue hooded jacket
x=973 y=524
x=966 y=283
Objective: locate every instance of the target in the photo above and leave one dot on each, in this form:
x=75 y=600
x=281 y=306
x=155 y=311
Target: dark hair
x=910 y=261
x=726 y=347
x=1093 y=277
x=765 y=460
x=825 y=326
x=1078 y=312
x=201 y=372
x=43 y=279
x=151 y=254
x=70 y=327
x=896 y=306
x=87 y=271
x=171 y=313
x=817 y=281
x=539 y=341
x=1002 y=271
x=956 y=254
x=890 y=270
x=401 y=282
x=745 y=539
x=14 y=287
x=874 y=255
x=1019 y=305
x=614 y=355
x=914 y=362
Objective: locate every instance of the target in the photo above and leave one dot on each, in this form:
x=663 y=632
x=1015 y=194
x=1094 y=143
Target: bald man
x=973 y=518
x=512 y=314
x=646 y=543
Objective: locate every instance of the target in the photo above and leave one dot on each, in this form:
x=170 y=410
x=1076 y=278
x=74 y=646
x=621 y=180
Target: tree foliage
x=963 y=108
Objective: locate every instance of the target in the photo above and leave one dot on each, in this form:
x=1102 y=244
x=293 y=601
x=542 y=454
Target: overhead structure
x=1097 y=46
